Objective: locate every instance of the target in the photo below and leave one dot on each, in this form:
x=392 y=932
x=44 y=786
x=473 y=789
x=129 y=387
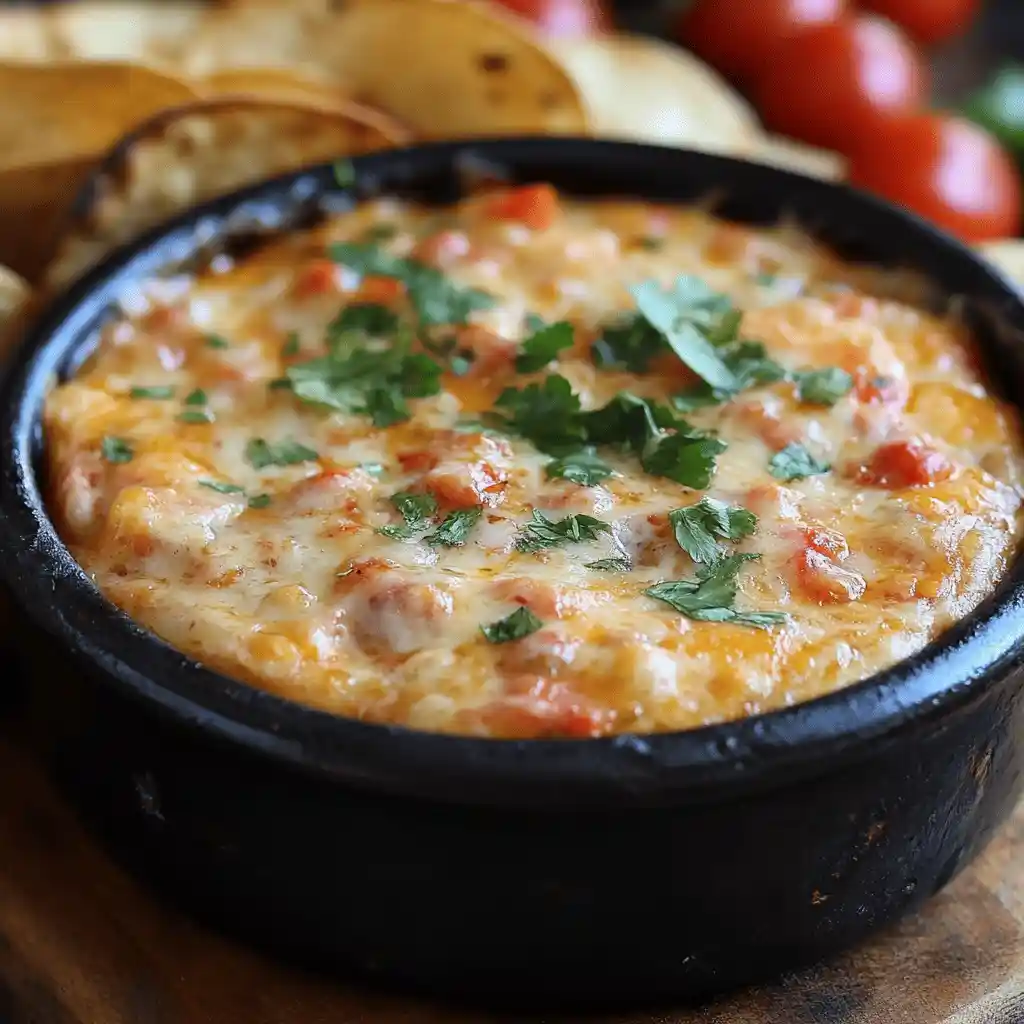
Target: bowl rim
x=952 y=672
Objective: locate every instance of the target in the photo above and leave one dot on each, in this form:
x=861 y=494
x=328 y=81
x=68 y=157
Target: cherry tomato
x=946 y=169
x=829 y=84
x=739 y=36
x=563 y=17
x=928 y=21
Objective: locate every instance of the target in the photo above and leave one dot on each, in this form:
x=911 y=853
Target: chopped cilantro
x=260 y=453
x=217 y=341
x=197 y=397
x=542 y=532
x=690 y=461
x=116 y=449
x=711 y=597
x=222 y=488
x=417 y=511
x=196 y=416
x=291 y=345
x=795 y=462
x=534 y=322
x=583 y=467
x=436 y=298
x=259 y=501
x=610 y=565
x=697 y=526
x=543 y=346
x=749 y=363
x=153 y=392
x=522 y=622
x=380 y=233
x=629 y=343
x=693 y=319
x=344 y=173
x=369 y=317
x=458 y=360
x=822 y=387
x=548 y=414
x=455 y=528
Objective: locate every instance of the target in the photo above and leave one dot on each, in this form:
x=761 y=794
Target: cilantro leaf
x=217 y=341
x=610 y=565
x=822 y=387
x=711 y=597
x=795 y=462
x=692 y=319
x=222 y=488
x=583 y=467
x=153 y=392
x=368 y=317
x=697 y=526
x=415 y=509
x=196 y=416
x=542 y=532
x=259 y=501
x=749 y=363
x=631 y=421
x=548 y=414
x=544 y=345
x=116 y=450
x=455 y=528
x=436 y=299
x=522 y=622
x=629 y=343
x=260 y=453
x=687 y=460
x=197 y=397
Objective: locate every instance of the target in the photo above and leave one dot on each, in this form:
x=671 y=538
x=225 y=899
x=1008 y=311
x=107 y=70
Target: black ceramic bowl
x=629 y=868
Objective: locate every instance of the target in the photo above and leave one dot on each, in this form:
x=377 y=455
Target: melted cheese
x=303 y=596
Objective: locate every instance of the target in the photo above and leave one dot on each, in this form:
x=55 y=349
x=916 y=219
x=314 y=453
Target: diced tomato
x=381 y=290
x=901 y=464
x=824 y=581
x=418 y=461
x=318 y=277
x=536 y=206
x=543 y=709
x=443 y=248
x=462 y=485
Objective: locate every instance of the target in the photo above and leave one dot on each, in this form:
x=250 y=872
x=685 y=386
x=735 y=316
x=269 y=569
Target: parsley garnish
x=610 y=565
x=153 y=392
x=455 y=528
x=116 y=449
x=522 y=622
x=749 y=363
x=344 y=173
x=795 y=462
x=364 y=316
x=417 y=511
x=260 y=453
x=543 y=346
x=197 y=397
x=711 y=597
x=259 y=501
x=217 y=341
x=548 y=414
x=822 y=387
x=436 y=299
x=697 y=526
x=583 y=467
x=222 y=488
x=629 y=343
x=542 y=532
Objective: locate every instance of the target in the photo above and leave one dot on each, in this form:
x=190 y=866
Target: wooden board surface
x=81 y=943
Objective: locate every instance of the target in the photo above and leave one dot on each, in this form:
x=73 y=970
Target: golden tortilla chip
x=68 y=111
x=273 y=83
x=35 y=201
x=183 y=157
x=1008 y=256
x=796 y=156
x=450 y=69
x=116 y=30
x=644 y=90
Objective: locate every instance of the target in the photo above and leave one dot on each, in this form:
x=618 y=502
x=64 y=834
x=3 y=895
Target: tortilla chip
x=35 y=202
x=644 y=90
x=68 y=111
x=1008 y=256
x=275 y=84
x=114 y=30
x=183 y=157
x=450 y=69
x=796 y=156
x=25 y=35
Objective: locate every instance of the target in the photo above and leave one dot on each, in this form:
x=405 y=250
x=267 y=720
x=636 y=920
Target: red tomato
x=829 y=85
x=900 y=464
x=739 y=37
x=563 y=17
x=536 y=206
x=928 y=21
x=946 y=169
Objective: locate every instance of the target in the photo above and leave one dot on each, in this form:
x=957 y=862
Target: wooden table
x=81 y=943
